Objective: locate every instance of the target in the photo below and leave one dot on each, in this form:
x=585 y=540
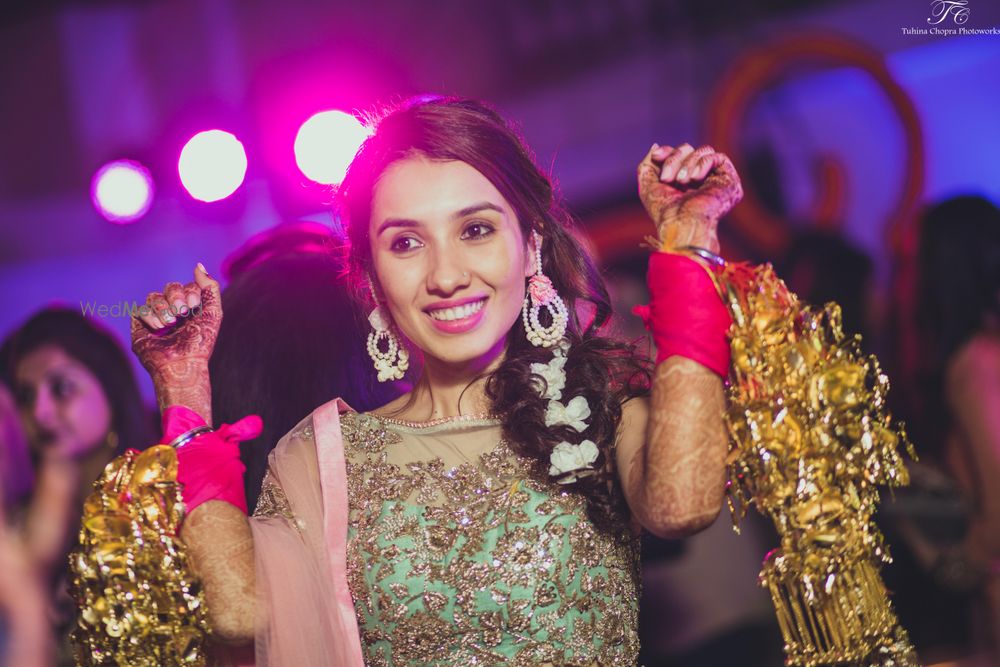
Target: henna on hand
x=686 y=192
x=175 y=350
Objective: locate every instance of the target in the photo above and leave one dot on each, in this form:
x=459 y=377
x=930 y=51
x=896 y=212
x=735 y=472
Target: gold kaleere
x=811 y=442
x=139 y=602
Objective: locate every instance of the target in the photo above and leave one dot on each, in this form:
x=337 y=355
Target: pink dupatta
x=305 y=609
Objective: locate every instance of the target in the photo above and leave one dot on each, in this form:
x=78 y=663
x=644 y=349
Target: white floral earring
x=392 y=363
x=542 y=294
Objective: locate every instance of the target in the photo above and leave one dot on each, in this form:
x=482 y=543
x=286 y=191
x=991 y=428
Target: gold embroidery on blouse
x=273 y=502
x=486 y=563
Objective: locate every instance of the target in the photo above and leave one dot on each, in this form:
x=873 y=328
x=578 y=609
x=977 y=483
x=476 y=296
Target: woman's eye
x=477 y=230
x=24 y=396
x=404 y=244
x=62 y=388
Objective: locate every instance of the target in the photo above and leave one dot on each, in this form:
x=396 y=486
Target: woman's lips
x=463 y=321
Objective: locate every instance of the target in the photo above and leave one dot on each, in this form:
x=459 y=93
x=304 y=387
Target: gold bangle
x=188 y=436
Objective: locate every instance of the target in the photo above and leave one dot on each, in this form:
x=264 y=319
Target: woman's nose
x=44 y=409
x=447 y=275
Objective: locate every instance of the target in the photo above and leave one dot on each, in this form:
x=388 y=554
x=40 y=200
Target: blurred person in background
x=25 y=637
x=80 y=406
x=957 y=425
x=290 y=341
x=821 y=266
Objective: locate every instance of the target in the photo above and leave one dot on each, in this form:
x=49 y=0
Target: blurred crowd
x=70 y=403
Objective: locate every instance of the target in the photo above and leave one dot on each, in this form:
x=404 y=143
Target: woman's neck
x=449 y=390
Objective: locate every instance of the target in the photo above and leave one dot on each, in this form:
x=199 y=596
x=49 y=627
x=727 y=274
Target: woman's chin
x=472 y=351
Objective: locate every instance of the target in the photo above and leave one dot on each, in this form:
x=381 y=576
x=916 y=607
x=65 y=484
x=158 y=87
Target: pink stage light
x=212 y=165
x=326 y=144
x=122 y=191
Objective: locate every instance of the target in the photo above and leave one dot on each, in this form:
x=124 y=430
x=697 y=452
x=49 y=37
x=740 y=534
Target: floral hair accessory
x=568 y=461
x=550 y=379
x=571 y=459
x=572 y=414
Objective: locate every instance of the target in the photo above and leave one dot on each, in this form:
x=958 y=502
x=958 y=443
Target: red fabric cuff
x=685 y=314
x=209 y=466
x=178 y=419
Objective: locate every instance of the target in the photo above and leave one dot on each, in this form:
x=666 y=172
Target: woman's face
x=450 y=259
x=62 y=404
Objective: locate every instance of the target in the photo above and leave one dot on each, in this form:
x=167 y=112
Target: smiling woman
x=490 y=515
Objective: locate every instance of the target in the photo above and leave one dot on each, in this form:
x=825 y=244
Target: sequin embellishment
x=481 y=564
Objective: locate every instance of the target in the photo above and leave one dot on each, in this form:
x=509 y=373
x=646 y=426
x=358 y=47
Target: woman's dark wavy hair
x=958 y=289
x=605 y=371
x=96 y=348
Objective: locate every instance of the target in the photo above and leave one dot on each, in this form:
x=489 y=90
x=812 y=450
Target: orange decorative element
x=765 y=67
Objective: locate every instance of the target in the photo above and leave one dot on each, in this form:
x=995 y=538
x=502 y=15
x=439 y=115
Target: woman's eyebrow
x=476 y=208
x=390 y=223
x=63 y=370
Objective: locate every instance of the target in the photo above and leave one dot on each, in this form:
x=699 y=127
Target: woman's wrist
x=185 y=383
x=690 y=230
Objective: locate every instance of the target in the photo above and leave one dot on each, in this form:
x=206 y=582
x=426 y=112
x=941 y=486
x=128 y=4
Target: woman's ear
x=533 y=254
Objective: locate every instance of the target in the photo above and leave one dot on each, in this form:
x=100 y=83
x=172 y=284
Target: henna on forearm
x=674 y=472
x=220 y=545
x=185 y=382
x=681 y=474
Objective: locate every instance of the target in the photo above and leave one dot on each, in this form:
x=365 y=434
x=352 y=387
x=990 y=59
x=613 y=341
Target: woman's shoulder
x=635 y=412
x=304 y=432
x=975 y=367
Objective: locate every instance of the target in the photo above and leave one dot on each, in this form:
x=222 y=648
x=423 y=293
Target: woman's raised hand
x=686 y=191
x=173 y=335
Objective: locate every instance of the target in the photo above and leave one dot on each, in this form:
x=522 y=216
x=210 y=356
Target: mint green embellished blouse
x=458 y=554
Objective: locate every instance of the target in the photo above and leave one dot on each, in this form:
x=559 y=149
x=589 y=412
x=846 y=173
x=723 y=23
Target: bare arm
x=220 y=545
x=216 y=533
x=23 y=603
x=973 y=394
x=52 y=512
x=672 y=449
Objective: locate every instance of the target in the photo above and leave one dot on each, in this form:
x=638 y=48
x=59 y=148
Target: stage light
x=212 y=165
x=122 y=191
x=326 y=144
